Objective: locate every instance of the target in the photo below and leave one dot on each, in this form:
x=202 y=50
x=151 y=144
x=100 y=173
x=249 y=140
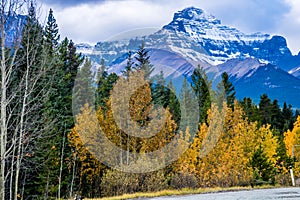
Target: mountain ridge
x=195 y=37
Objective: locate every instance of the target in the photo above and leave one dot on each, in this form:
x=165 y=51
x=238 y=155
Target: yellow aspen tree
x=227 y=164
x=187 y=161
x=269 y=143
x=83 y=165
x=89 y=165
x=296 y=129
x=291 y=140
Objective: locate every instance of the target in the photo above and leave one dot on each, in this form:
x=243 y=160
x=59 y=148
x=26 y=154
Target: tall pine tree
x=105 y=83
x=143 y=61
x=173 y=102
x=51 y=33
x=188 y=103
x=201 y=87
x=229 y=90
x=265 y=106
x=159 y=91
x=129 y=65
x=83 y=91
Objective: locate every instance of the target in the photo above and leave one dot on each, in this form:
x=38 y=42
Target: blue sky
x=98 y=20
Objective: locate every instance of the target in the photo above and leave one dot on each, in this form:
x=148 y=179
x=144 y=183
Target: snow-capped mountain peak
x=196 y=14
x=200 y=25
x=221 y=42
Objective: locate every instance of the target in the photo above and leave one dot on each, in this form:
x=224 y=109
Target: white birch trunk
x=3 y=127
x=61 y=165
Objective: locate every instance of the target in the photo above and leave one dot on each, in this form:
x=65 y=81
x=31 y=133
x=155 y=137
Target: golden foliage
x=219 y=154
x=292 y=144
x=292 y=138
x=227 y=164
x=289 y=141
x=87 y=166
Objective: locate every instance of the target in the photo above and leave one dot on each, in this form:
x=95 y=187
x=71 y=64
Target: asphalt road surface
x=255 y=194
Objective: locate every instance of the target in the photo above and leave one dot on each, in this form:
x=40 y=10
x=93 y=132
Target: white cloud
x=93 y=23
x=290 y=26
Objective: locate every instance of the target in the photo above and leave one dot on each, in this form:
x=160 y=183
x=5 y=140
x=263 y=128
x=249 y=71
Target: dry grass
x=178 y=192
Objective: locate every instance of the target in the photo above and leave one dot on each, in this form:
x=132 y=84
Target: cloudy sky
x=91 y=21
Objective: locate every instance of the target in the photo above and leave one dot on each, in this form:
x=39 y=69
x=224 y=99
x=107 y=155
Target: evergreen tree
x=287 y=115
x=101 y=81
x=263 y=169
x=51 y=33
x=265 y=106
x=188 y=116
x=250 y=109
x=102 y=70
x=32 y=33
x=143 y=60
x=159 y=91
x=67 y=71
x=297 y=113
x=229 y=90
x=201 y=85
x=276 y=117
x=105 y=84
x=173 y=102
x=129 y=65
x=31 y=45
x=84 y=93
x=71 y=63
x=32 y=12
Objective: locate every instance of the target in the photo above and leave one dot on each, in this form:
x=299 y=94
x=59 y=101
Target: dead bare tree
x=24 y=68
x=7 y=9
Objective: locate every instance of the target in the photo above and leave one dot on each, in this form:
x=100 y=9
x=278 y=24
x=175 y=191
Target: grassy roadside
x=180 y=192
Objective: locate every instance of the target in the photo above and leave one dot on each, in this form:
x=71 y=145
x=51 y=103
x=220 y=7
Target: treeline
x=45 y=155
x=252 y=146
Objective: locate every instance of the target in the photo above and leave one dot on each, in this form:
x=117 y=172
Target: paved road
x=255 y=194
